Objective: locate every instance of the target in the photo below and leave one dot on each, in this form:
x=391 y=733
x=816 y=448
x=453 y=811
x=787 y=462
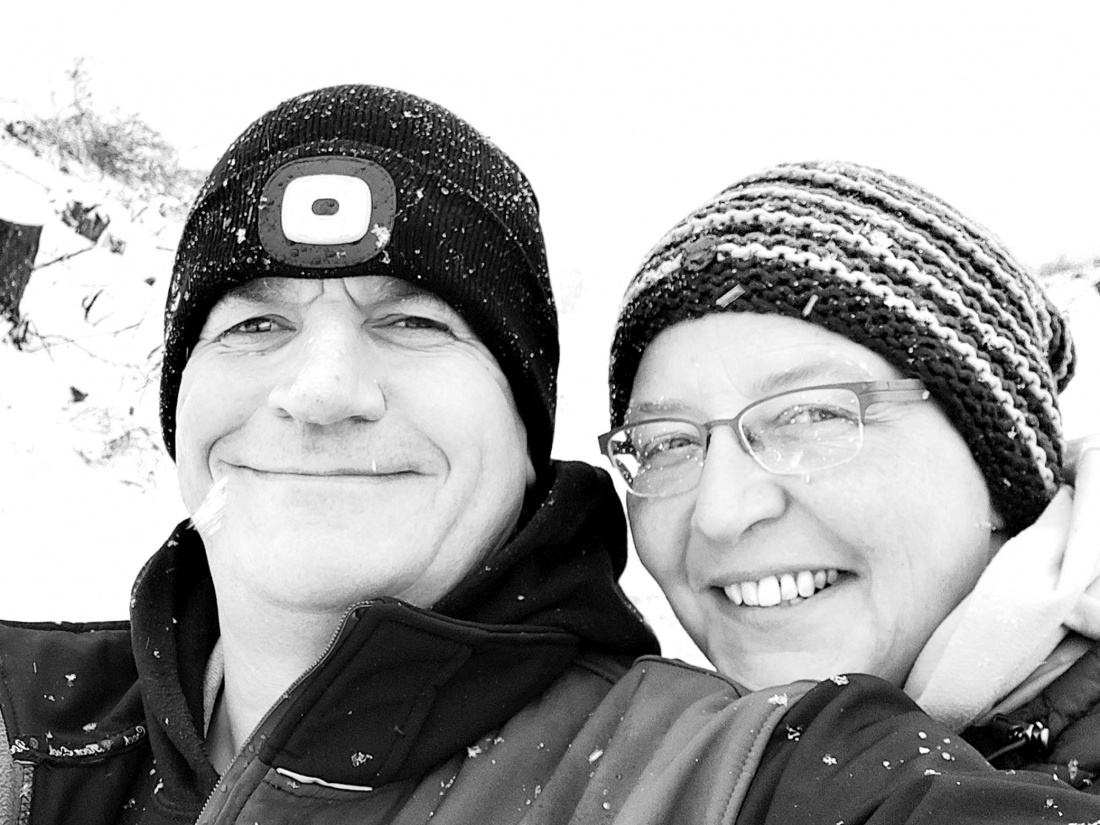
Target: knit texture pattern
x=466 y=229
x=872 y=257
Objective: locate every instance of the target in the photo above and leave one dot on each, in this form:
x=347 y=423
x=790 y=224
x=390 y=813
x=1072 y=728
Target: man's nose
x=334 y=374
x=735 y=493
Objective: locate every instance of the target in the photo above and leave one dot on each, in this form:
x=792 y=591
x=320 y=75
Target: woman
x=836 y=411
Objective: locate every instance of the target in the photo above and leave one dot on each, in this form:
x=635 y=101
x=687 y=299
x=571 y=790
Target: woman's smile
x=780 y=590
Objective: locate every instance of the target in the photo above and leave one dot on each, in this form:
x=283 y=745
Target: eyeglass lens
x=795 y=432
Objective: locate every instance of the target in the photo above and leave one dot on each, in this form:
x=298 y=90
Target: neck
x=266 y=649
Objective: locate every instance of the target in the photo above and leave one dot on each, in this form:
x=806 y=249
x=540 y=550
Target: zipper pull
x=1031 y=739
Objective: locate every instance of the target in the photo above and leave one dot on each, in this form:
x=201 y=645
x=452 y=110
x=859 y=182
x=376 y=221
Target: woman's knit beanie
x=885 y=264
x=362 y=180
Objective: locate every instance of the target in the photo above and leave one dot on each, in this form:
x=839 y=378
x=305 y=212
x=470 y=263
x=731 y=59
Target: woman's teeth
x=786 y=588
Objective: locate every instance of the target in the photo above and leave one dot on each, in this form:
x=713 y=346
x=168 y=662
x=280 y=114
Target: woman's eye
x=668 y=446
x=803 y=415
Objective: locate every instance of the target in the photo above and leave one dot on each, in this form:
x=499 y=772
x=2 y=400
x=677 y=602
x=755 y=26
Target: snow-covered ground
x=87 y=492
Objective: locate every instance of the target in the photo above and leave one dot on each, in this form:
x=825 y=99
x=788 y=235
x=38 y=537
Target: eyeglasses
x=792 y=433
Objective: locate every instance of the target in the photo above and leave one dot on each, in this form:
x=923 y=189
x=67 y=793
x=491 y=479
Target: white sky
x=625 y=116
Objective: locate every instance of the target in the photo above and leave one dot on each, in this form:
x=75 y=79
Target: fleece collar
x=1007 y=640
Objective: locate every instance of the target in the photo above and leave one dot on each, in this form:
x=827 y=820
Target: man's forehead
x=363 y=288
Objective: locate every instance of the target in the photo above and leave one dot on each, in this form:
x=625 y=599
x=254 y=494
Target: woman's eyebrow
x=806 y=375
x=657 y=408
x=809 y=374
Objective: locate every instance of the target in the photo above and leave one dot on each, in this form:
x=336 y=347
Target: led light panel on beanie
x=363 y=180
x=328 y=211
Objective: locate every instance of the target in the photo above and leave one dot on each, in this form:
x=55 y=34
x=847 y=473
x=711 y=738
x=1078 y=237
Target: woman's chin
x=766 y=677
x=811 y=639
x=764 y=667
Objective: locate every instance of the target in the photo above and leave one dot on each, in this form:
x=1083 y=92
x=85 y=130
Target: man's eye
x=253 y=326
x=421 y=323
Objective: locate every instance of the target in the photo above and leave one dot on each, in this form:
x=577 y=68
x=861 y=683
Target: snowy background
x=625 y=117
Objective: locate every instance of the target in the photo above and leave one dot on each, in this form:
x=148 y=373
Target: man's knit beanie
x=361 y=180
x=871 y=257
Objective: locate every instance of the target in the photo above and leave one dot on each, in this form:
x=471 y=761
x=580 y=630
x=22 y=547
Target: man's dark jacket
x=509 y=702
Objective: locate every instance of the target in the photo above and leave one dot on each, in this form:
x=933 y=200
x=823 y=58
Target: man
x=358 y=388
x=389 y=604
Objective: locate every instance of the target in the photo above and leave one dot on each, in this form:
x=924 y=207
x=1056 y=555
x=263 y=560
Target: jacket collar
x=400 y=688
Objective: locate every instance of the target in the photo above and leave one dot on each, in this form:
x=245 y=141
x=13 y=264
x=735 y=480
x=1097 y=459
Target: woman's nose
x=334 y=374
x=735 y=493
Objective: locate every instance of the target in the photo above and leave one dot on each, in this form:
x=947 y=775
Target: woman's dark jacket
x=1057 y=732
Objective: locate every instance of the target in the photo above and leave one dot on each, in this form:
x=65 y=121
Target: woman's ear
x=997 y=536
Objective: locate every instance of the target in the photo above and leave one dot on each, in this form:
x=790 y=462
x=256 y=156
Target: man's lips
x=327 y=473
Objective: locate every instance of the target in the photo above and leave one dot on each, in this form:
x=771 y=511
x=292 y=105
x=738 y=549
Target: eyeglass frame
x=867 y=393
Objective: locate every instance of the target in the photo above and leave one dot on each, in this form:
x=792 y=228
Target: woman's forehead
x=750 y=356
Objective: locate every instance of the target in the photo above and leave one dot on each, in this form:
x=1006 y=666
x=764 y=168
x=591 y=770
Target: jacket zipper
x=241 y=760
x=1033 y=735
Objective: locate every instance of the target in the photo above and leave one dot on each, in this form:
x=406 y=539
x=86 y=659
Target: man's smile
x=374 y=471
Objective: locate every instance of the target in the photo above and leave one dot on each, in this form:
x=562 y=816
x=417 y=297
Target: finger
x=1078 y=451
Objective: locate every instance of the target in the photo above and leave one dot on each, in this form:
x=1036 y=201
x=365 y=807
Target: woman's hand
x=1082 y=469
x=1079 y=452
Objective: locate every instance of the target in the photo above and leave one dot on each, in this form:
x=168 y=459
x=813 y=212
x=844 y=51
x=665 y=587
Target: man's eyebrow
x=397 y=289
x=400 y=288
x=276 y=291
x=260 y=290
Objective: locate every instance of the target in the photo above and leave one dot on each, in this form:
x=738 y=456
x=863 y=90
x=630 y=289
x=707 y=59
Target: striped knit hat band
x=889 y=266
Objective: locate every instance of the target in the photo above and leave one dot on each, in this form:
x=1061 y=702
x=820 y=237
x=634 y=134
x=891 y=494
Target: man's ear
x=530 y=471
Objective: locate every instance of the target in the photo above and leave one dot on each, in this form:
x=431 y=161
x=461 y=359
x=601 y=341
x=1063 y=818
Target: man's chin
x=302 y=525
x=315 y=567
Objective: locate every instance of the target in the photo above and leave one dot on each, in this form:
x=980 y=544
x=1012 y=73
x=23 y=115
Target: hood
x=561 y=569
